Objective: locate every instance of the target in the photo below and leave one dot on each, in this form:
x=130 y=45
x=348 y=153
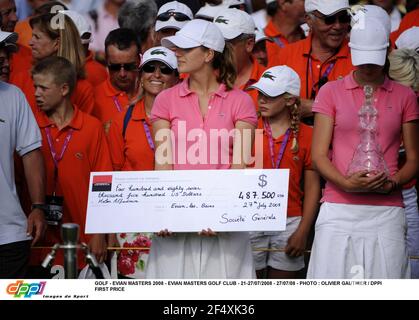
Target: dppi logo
x=27 y=290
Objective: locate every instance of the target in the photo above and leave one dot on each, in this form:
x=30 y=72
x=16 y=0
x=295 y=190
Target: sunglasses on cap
x=118 y=66
x=150 y=68
x=177 y=15
x=343 y=17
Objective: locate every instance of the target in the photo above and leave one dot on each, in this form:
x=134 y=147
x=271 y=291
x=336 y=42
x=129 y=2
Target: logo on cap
x=221 y=19
x=158 y=51
x=268 y=75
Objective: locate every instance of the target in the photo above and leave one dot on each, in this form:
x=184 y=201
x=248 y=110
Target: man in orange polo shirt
x=284 y=27
x=74 y=145
x=238 y=29
x=122 y=86
x=324 y=55
x=22 y=59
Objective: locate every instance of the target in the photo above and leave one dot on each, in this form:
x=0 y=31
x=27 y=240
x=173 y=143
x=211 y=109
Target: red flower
x=127 y=259
x=126 y=266
x=143 y=242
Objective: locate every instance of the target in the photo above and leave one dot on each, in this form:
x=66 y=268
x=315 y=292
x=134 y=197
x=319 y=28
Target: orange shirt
x=132 y=153
x=82 y=95
x=109 y=101
x=87 y=151
x=24 y=30
x=279 y=41
x=257 y=72
x=296 y=162
x=296 y=56
x=96 y=73
x=411 y=19
x=21 y=61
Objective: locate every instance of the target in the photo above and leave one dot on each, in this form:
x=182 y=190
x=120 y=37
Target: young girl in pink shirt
x=201 y=103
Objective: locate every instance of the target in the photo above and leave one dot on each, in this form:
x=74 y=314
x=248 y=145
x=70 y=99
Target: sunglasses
x=177 y=15
x=343 y=17
x=150 y=68
x=118 y=66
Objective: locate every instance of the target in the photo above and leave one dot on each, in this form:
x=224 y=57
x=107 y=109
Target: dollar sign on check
x=263 y=182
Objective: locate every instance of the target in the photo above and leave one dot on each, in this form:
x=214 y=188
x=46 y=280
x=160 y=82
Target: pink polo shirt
x=341 y=100
x=198 y=142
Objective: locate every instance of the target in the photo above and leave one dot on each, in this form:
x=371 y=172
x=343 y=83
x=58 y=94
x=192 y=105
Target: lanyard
x=271 y=144
x=278 y=42
x=148 y=135
x=325 y=74
x=55 y=157
x=117 y=104
x=310 y=71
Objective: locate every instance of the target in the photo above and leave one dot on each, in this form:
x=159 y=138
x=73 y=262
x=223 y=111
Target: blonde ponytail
x=224 y=64
x=404 y=67
x=295 y=116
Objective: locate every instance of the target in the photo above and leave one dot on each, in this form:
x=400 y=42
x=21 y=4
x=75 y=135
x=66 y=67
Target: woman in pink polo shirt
x=360 y=231
x=205 y=101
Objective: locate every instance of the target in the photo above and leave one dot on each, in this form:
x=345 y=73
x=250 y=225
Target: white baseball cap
x=409 y=39
x=161 y=54
x=369 y=42
x=365 y=12
x=8 y=39
x=209 y=11
x=278 y=80
x=269 y=1
x=230 y=3
x=82 y=25
x=326 y=7
x=234 y=22
x=260 y=36
x=170 y=9
x=196 y=33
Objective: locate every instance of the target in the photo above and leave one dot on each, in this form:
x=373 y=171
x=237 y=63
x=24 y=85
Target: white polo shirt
x=18 y=132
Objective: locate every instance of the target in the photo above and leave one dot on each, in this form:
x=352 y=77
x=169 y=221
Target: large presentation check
x=187 y=201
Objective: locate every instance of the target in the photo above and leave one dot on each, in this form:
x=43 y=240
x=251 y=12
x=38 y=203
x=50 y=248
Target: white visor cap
x=197 y=33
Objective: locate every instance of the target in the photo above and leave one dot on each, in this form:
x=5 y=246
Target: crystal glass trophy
x=368 y=154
